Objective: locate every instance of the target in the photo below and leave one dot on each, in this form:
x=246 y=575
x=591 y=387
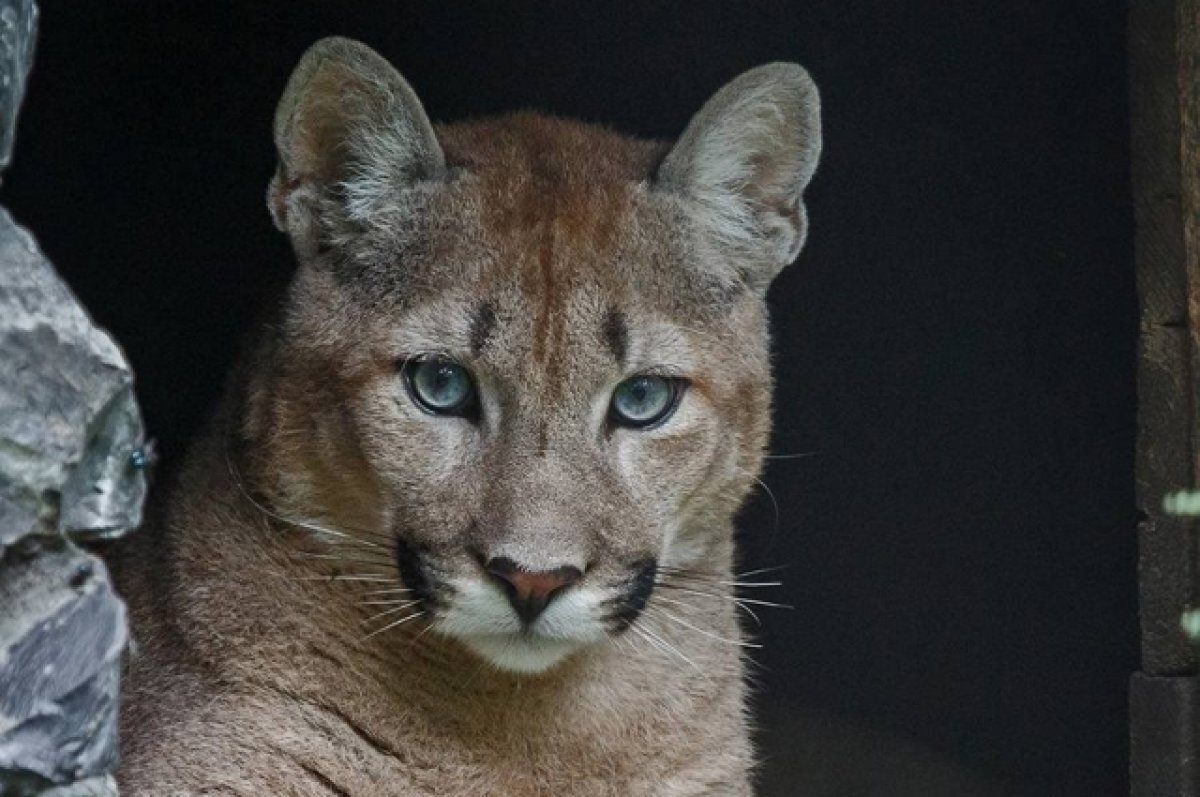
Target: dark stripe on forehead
x=616 y=334
x=482 y=325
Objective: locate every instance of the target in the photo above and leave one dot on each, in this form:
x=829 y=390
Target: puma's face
x=524 y=364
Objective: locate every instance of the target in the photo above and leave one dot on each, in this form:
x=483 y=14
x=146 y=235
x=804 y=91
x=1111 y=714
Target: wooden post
x=1164 y=55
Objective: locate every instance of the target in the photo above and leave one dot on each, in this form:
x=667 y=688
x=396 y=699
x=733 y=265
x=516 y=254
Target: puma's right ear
x=348 y=125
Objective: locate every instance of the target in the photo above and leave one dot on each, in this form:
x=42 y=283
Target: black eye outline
x=467 y=408
x=675 y=384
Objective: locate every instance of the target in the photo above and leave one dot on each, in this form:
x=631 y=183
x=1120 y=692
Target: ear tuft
x=347 y=123
x=742 y=165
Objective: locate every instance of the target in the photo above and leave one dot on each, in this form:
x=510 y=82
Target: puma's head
x=523 y=366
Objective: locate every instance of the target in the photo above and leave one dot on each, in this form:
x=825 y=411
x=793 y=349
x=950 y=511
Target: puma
x=462 y=524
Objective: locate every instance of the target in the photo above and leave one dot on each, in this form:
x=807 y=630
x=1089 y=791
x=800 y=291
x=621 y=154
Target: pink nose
x=530 y=591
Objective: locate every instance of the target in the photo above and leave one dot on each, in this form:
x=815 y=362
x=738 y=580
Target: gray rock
x=60 y=665
x=72 y=460
x=69 y=433
x=69 y=424
x=104 y=786
x=69 y=430
x=18 y=33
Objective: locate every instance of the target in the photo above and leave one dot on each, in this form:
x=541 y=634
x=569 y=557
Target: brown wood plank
x=1164 y=715
x=1164 y=62
x=1166 y=157
x=1188 y=82
x=1154 y=111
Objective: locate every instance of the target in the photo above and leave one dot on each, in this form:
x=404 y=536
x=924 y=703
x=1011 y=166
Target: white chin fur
x=520 y=653
x=481 y=618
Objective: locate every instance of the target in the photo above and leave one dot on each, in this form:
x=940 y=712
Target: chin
x=521 y=653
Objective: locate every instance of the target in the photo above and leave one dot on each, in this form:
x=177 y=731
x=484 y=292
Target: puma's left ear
x=742 y=166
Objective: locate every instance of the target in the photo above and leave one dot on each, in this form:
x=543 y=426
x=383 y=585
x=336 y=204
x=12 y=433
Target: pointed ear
x=348 y=127
x=742 y=166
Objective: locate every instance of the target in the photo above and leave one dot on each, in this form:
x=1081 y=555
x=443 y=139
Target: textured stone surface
x=18 y=33
x=64 y=635
x=104 y=786
x=69 y=429
x=68 y=420
x=71 y=469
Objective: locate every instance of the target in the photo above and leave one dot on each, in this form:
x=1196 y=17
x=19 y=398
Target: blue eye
x=645 y=400
x=441 y=387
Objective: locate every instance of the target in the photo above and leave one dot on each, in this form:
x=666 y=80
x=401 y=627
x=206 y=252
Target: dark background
x=956 y=343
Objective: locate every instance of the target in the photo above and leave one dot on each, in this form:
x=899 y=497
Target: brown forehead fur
x=555 y=202
x=536 y=168
x=558 y=189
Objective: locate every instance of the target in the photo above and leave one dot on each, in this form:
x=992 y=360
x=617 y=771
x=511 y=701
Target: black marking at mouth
x=412 y=573
x=633 y=602
x=616 y=334
x=481 y=327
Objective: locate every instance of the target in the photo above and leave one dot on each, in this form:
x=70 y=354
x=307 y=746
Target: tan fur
x=257 y=672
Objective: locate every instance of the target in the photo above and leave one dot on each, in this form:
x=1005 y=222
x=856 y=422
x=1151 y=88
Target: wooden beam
x=1166 y=187
x=1164 y=58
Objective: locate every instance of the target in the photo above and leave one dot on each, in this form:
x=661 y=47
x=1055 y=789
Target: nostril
x=530 y=591
x=500 y=566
